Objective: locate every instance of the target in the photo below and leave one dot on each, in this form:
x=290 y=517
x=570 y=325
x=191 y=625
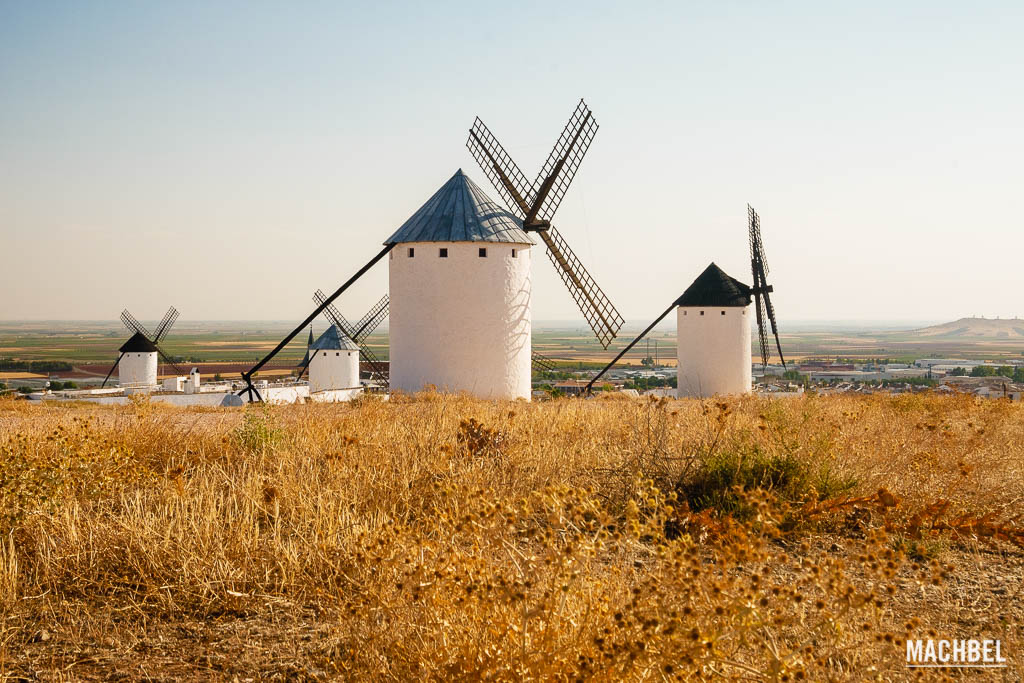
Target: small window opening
x=325 y=354
x=702 y=312
x=483 y=252
x=444 y=252
x=337 y=353
x=412 y=252
x=513 y=253
x=723 y=312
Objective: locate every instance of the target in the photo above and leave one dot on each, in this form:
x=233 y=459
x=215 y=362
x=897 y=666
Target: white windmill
x=713 y=327
x=459 y=281
x=137 y=363
x=459 y=274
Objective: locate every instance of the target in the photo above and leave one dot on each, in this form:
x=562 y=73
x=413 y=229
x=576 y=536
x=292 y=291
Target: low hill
x=976 y=328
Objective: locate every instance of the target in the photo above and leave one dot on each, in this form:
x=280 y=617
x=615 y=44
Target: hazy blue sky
x=230 y=158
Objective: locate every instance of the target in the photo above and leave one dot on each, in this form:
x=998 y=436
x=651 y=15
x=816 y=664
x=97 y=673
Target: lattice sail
x=537 y=202
x=564 y=160
x=166 y=324
x=134 y=325
x=542 y=362
x=332 y=314
x=373 y=318
x=168 y=361
x=499 y=168
x=762 y=290
x=598 y=310
x=379 y=370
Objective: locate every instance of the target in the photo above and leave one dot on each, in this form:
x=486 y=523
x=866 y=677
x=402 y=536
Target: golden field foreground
x=440 y=537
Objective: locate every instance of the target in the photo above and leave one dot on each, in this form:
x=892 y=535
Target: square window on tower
x=412 y=252
x=483 y=252
x=513 y=253
x=723 y=312
x=444 y=252
x=702 y=312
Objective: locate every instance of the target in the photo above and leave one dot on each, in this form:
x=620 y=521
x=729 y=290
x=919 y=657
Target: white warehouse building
x=713 y=325
x=460 y=288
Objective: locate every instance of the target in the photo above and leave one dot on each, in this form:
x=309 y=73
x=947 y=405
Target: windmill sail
x=134 y=325
x=564 y=160
x=166 y=324
x=601 y=315
x=537 y=202
x=762 y=290
x=499 y=168
x=373 y=318
x=542 y=362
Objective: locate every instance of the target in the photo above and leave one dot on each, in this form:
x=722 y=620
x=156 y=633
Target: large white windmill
x=459 y=273
x=459 y=281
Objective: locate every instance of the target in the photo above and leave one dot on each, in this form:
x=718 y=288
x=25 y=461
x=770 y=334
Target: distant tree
x=647 y=361
x=1005 y=371
x=25 y=390
x=70 y=385
x=1018 y=374
x=49 y=366
x=983 y=371
x=958 y=372
x=56 y=385
x=218 y=378
x=791 y=374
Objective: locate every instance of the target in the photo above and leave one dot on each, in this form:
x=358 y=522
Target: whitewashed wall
x=461 y=323
x=137 y=369
x=714 y=350
x=333 y=369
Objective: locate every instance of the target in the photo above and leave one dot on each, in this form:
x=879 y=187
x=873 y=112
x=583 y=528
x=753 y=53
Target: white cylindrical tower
x=333 y=362
x=713 y=326
x=136 y=370
x=460 y=290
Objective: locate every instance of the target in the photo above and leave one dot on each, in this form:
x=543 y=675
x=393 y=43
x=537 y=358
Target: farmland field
x=230 y=347
x=438 y=537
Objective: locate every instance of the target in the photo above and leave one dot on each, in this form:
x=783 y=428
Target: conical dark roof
x=461 y=212
x=333 y=339
x=137 y=343
x=714 y=287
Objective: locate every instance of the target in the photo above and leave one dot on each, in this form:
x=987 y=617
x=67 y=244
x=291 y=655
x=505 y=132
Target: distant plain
x=226 y=346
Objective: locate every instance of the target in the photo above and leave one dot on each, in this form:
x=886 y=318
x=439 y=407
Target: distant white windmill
x=713 y=326
x=137 y=365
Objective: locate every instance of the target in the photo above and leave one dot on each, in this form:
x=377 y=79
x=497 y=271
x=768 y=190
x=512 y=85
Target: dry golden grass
x=441 y=537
